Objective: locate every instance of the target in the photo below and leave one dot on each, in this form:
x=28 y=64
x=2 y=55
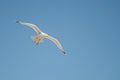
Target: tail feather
x=36 y=39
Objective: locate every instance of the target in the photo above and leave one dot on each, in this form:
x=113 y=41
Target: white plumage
x=41 y=35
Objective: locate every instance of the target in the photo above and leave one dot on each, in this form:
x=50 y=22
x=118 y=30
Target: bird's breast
x=44 y=34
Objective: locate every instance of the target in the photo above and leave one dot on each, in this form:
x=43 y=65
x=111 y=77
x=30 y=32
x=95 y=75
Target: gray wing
x=34 y=27
x=58 y=44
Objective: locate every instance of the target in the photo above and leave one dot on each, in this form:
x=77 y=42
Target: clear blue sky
x=89 y=30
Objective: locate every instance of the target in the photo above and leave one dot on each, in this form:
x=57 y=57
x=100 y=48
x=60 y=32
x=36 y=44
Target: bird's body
x=41 y=35
x=39 y=38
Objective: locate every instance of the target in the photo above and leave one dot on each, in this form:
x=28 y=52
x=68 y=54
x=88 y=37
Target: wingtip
x=64 y=52
x=17 y=21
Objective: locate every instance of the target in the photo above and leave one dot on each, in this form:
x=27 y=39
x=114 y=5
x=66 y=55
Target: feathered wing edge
x=34 y=27
x=58 y=44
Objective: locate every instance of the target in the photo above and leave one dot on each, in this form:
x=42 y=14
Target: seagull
x=41 y=35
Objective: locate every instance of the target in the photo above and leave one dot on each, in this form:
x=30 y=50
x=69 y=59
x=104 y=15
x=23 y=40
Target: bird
x=41 y=35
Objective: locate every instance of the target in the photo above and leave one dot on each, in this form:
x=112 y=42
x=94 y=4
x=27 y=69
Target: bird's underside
x=41 y=35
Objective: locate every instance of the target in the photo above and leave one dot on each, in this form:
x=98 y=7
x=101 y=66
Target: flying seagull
x=41 y=35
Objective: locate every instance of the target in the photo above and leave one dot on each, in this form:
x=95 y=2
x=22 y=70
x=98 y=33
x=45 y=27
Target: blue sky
x=89 y=30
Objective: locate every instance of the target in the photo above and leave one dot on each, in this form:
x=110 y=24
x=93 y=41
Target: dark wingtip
x=64 y=52
x=17 y=21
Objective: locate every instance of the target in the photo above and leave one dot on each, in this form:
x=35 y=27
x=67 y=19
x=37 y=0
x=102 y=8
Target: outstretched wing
x=34 y=27
x=58 y=44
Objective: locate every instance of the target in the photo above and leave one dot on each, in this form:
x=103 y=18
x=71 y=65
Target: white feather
x=58 y=44
x=41 y=35
x=34 y=27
